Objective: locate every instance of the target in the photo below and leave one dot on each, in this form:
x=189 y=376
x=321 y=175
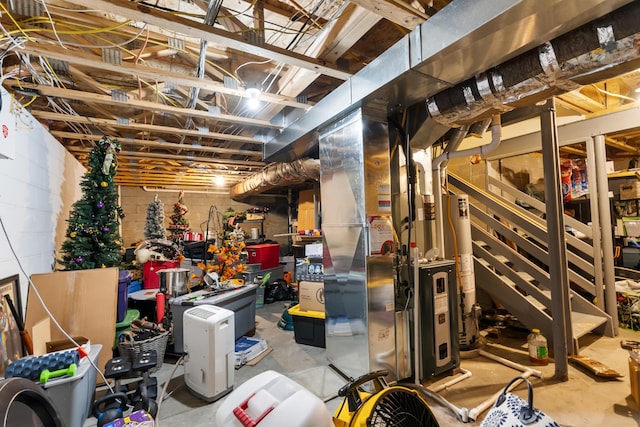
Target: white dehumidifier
x=209 y=344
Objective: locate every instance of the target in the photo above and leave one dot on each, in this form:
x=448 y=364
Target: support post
x=596 y=221
x=558 y=265
x=611 y=306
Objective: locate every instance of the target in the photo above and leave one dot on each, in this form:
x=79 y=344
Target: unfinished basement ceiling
x=172 y=80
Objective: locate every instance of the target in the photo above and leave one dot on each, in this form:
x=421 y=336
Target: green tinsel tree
x=92 y=238
x=179 y=224
x=154 y=227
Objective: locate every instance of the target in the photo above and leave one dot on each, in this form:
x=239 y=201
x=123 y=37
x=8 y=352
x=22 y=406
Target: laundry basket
x=128 y=347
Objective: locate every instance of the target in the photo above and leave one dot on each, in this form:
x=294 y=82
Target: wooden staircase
x=515 y=273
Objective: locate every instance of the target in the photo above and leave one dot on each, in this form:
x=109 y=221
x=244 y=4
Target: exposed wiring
x=250 y=63
x=44 y=306
x=15 y=22
x=53 y=25
x=253 y=3
x=616 y=95
x=164 y=388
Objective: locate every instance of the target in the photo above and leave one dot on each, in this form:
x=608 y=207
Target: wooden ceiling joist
x=133 y=155
x=156 y=74
x=145 y=105
x=198 y=30
x=97 y=121
x=158 y=144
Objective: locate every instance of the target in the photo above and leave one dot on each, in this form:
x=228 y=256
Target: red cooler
x=265 y=254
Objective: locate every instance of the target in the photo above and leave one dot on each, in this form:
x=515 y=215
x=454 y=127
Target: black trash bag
x=278 y=290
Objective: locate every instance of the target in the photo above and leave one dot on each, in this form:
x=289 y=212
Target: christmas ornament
x=73 y=234
x=104 y=184
x=105 y=229
x=104 y=266
x=100 y=205
x=79 y=259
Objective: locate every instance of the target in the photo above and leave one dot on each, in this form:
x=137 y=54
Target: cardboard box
x=630 y=190
x=634 y=380
x=311 y=296
x=84 y=302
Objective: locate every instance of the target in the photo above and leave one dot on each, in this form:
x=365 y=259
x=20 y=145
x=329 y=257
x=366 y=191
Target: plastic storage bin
x=72 y=396
x=151 y=268
x=124 y=278
x=280 y=400
x=308 y=326
x=266 y=254
x=125 y=325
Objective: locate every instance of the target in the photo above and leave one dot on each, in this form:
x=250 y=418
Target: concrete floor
x=584 y=400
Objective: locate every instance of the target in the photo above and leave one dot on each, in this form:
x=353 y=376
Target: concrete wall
x=135 y=200
x=38 y=185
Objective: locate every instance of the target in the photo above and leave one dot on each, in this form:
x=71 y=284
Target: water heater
x=209 y=344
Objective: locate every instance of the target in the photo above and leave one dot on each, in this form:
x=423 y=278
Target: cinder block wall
x=135 y=200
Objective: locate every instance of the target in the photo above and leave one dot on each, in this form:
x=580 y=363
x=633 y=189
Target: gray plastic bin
x=72 y=396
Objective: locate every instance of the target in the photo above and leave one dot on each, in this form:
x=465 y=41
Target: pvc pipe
x=474 y=412
x=454 y=381
x=461 y=413
x=510 y=364
x=496 y=135
x=417 y=351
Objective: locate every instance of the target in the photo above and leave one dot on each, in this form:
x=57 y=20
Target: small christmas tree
x=92 y=237
x=154 y=228
x=179 y=224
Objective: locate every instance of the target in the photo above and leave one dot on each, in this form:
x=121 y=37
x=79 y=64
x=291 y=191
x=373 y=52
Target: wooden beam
x=94 y=61
x=94 y=98
x=158 y=144
x=395 y=11
x=135 y=155
x=611 y=142
x=97 y=121
x=191 y=28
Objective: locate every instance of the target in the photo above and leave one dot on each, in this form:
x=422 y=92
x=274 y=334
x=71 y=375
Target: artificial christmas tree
x=154 y=228
x=92 y=237
x=179 y=224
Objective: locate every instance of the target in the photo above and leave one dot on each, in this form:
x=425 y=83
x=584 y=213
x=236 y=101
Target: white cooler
x=273 y=400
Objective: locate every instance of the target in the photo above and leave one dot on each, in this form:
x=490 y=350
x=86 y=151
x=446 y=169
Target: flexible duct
x=561 y=65
x=277 y=175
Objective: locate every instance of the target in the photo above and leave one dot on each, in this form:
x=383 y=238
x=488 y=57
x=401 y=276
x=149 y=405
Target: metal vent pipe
x=277 y=175
x=563 y=64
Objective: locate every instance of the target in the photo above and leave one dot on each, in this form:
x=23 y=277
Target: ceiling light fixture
x=219 y=180
x=252 y=94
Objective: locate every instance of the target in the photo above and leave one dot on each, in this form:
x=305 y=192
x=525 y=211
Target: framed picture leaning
x=10 y=340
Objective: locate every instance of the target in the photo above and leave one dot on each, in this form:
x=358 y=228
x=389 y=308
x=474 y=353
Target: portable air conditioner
x=209 y=344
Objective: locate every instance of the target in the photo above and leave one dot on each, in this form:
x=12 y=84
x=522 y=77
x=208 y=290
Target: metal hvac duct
x=465 y=37
x=563 y=64
x=277 y=175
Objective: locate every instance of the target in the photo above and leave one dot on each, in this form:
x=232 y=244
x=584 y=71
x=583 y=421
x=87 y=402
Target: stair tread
x=533 y=300
x=584 y=323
